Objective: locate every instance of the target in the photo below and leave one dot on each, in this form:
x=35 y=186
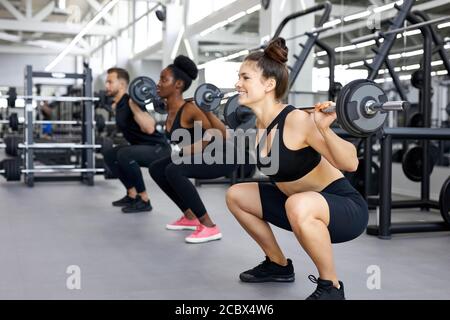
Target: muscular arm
x=143 y=118
x=339 y=152
x=191 y=115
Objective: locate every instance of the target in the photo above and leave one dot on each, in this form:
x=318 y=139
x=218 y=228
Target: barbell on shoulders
x=142 y=91
x=362 y=108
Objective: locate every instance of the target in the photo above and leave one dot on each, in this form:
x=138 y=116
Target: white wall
x=136 y=68
x=12 y=68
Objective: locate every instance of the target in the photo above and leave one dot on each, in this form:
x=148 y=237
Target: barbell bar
x=362 y=107
x=58 y=146
x=51 y=98
x=380 y=34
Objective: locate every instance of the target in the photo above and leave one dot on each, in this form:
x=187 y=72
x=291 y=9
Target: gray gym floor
x=45 y=229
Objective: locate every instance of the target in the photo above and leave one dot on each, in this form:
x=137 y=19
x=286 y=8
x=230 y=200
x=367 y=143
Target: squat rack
x=87 y=168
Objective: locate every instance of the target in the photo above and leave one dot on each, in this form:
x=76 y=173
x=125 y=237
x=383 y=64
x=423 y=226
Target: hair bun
x=276 y=50
x=187 y=66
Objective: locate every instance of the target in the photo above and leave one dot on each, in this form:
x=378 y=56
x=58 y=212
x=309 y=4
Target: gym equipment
x=100 y=122
x=12 y=145
x=104 y=101
x=58 y=145
x=86 y=144
x=12 y=96
x=415 y=120
x=361 y=109
x=412 y=162
x=378 y=34
x=13 y=122
x=357 y=178
x=417 y=79
x=444 y=201
x=384 y=227
x=237 y=116
x=11 y=169
x=142 y=90
x=208 y=97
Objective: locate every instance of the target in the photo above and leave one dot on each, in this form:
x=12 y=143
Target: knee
x=232 y=197
x=299 y=211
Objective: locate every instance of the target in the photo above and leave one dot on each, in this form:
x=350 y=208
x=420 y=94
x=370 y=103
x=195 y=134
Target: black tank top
x=130 y=128
x=293 y=164
x=177 y=125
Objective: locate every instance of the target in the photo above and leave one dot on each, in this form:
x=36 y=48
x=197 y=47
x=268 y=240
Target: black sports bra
x=292 y=164
x=177 y=125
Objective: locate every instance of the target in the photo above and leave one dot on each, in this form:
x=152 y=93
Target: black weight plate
x=100 y=123
x=444 y=201
x=14 y=121
x=357 y=178
x=12 y=169
x=412 y=162
x=417 y=79
x=142 y=90
x=447 y=109
x=415 y=120
x=207 y=97
x=344 y=122
x=12 y=145
x=237 y=116
x=352 y=110
x=12 y=94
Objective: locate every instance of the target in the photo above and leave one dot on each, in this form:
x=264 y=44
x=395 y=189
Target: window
x=199 y=9
x=140 y=34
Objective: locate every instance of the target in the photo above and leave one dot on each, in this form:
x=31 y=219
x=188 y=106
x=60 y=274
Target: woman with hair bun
x=173 y=178
x=308 y=194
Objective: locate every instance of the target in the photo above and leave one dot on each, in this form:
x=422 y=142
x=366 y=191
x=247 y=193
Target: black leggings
x=125 y=161
x=173 y=179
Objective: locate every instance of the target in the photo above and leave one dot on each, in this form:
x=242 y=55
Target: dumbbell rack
x=87 y=168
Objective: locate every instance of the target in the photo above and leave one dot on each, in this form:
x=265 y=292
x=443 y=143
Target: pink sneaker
x=204 y=234
x=183 y=224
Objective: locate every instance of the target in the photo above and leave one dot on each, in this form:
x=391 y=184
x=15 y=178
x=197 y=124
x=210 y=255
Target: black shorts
x=349 y=213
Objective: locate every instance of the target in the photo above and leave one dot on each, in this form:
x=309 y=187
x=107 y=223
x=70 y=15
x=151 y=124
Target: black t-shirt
x=129 y=127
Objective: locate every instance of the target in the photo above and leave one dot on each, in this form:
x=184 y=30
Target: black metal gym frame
x=87 y=169
x=381 y=57
x=438 y=48
x=294 y=71
x=385 y=227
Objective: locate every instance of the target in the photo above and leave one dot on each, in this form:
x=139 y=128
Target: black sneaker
x=125 y=201
x=138 y=205
x=269 y=271
x=325 y=290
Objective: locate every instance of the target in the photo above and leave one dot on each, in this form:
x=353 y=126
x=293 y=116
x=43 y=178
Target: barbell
x=361 y=107
x=142 y=91
x=12 y=96
x=13 y=122
x=12 y=171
